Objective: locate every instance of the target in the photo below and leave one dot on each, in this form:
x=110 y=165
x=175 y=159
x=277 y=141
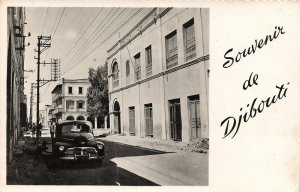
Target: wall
x=15 y=74
x=178 y=82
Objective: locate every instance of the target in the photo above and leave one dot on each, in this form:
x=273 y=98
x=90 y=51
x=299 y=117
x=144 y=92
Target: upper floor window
x=115 y=74
x=148 y=54
x=171 y=50
x=80 y=90
x=80 y=104
x=137 y=63
x=189 y=40
x=70 y=104
x=70 y=90
x=127 y=68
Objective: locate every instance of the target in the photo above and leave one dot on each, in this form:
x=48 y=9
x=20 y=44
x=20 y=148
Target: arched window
x=115 y=71
x=115 y=74
x=80 y=118
x=70 y=118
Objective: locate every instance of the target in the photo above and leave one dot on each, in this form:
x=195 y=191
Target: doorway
x=149 y=120
x=195 y=122
x=117 y=118
x=175 y=120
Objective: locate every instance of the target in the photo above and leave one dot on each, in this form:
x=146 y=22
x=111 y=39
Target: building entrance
x=194 y=105
x=117 y=118
x=175 y=120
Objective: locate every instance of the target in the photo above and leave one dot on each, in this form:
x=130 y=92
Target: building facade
x=15 y=98
x=158 y=76
x=69 y=100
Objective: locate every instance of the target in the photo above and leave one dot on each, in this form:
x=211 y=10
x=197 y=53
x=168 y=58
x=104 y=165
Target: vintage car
x=74 y=140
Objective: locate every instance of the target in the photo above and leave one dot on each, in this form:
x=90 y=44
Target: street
x=124 y=165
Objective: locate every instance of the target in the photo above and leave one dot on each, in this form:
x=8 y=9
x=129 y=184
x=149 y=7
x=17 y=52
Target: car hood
x=77 y=135
x=88 y=137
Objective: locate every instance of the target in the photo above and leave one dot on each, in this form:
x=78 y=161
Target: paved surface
x=124 y=165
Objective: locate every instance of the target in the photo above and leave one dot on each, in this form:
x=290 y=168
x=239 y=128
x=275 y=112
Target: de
x=249 y=82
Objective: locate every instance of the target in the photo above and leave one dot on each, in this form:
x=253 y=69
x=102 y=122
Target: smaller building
x=69 y=100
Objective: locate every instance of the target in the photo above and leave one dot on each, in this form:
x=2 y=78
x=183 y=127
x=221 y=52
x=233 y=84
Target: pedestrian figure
x=52 y=129
x=33 y=129
x=39 y=128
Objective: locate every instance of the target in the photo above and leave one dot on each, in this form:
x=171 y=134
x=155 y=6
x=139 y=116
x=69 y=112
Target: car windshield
x=75 y=128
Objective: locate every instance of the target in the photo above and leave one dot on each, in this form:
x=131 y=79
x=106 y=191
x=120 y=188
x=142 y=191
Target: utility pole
x=31 y=102
x=43 y=44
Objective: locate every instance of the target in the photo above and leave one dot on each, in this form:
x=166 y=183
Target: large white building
x=69 y=100
x=158 y=76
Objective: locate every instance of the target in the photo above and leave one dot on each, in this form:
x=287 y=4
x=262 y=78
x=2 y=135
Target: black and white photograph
x=114 y=96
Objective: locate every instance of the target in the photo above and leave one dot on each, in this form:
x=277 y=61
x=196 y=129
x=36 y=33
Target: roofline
x=56 y=87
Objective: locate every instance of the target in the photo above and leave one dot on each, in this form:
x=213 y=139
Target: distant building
x=15 y=98
x=158 y=76
x=69 y=100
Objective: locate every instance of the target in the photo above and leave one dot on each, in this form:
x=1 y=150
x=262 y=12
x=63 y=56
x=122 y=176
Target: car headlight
x=100 y=146
x=61 y=148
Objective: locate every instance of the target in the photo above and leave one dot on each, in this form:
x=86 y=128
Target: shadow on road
x=89 y=173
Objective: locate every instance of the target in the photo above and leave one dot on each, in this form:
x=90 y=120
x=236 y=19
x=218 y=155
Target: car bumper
x=79 y=157
x=81 y=153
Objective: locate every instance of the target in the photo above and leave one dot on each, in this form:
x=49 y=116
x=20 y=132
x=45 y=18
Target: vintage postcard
x=180 y=95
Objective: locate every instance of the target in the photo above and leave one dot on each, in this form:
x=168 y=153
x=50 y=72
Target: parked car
x=74 y=141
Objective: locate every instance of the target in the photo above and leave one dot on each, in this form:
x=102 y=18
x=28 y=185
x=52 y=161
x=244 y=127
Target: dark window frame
x=148 y=59
x=171 y=49
x=70 y=90
x=189 y=40
x=137 y=66
x=80 y=90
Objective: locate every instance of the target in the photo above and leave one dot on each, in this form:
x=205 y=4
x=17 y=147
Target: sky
x=80 y=38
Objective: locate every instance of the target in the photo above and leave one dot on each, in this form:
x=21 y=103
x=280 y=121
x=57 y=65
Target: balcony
x=172 y=61
x=190 y=52
x=115 y=83
x=149 y=70
x=138 y=74
x=81 y=109
x=56 y=96
x=57 y=110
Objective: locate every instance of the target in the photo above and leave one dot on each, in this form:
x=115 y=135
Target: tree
x=97 y=96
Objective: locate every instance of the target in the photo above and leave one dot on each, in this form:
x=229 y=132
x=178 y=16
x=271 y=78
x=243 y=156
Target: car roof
x=74 y=121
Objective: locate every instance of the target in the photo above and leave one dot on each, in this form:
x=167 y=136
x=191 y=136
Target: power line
x=45 y=20
x=88 y=41
x=52 y=36
x=99 y=44
x=52 y=30
x=89 y=25
x=58 y=23
x=89 y=45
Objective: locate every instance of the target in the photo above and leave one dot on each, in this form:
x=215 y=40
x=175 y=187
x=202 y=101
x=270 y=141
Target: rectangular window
x=80 y=104
x=137 y=63
x=70 y=90
x=131 y=121
x=171 y=50
x=70 y=104
x=189 y=40
x=149 y=120
x=148 y=52
x=80 y=90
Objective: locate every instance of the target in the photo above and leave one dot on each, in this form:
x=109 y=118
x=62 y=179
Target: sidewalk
x=152 y=143
x=26 y=164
